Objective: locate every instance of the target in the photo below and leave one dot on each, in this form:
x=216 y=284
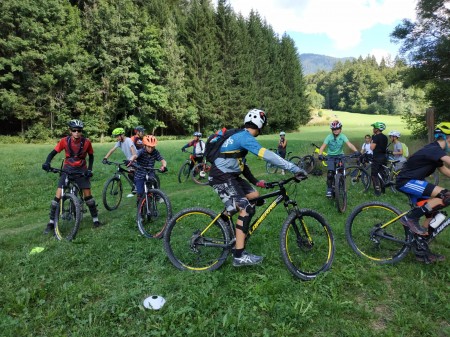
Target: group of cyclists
x=230 y=168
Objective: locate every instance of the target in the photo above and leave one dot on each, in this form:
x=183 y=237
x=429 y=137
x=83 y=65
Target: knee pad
x=90 y=202
x=250 y=210
x=445 y=196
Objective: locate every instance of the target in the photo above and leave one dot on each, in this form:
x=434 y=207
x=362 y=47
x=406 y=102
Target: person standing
x=379 y=148
x=76 y=148
x=282 y=144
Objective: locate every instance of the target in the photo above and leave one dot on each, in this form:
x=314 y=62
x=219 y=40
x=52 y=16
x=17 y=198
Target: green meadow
x=95 y=285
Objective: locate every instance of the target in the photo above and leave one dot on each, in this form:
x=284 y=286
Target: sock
x=238 y=252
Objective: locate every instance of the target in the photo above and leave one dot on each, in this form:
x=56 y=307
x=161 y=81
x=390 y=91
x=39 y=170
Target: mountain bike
x=113 y=189
x=339 y=184
x=374 y=231
x=359 y=176
x=153 y=208
x=270 y=168
x=70 y=209
x=200 y=172
x=199 y=239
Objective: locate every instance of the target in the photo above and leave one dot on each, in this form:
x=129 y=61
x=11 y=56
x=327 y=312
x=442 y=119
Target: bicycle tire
x=392 y=180
x=112 y=193
x=307 y=244
x=153 y=214
x=340 y=192
x=68 y=217
x=368 y=240
x=200 y=173
x=270 y=168
x=190 y=244
x=183 y=174
x=308 y=163
x=358 y=177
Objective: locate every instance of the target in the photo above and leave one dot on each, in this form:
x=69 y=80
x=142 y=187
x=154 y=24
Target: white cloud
x=341 y=20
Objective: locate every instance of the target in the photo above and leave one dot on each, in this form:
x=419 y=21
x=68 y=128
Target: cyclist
x=76 y=149
x=411 y=180
x=335 y=143
x=145 y=158
x=234 y=191
x=198 y=146
x=139 y=133
x=282 y=144
x=398 y=149
x=379 y=147
x=128 y=148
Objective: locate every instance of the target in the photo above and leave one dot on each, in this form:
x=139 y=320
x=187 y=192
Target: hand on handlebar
x=88 y=174
x=163 y=169
x=261 y=184
x=105 y=161
x=300 y=175
x=46 y=166
x=321 y=157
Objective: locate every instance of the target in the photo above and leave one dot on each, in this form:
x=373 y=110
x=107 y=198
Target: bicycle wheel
x=308 y=163
x=392 y=180
x=153 y=214
x=112 y=193
x=200 y=173
x=367 y=238
x=184 y=172
x=270 y=168
x=340 y=192
x=307 y=244
x=68 y=217
x=358 y=177
x=194 y=242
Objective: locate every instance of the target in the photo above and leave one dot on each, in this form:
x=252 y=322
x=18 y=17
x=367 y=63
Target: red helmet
x=149 y=140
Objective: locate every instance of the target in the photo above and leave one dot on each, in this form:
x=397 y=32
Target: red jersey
x=76 y=154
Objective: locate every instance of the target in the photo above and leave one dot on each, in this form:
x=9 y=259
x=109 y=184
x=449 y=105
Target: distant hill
x=312 y=63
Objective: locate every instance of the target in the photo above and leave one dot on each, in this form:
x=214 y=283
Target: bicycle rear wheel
x=193 y=241
x=200 y=173
x=68 y=217
x=308 y=163
x=112 y=193
x=270 y=168
x=153 y=213
x=340 y=192
x=184 y=172
x=307 y=244
x=359 y=178
x=366 y=237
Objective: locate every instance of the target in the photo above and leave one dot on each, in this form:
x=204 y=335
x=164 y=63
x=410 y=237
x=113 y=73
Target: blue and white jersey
x=244 y=141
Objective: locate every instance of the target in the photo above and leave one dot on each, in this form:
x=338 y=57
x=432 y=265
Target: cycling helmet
x=149 y=140
x=335 y=125
x=139 y=128
x=395 y=134
x=75 y=123
x=379 y=125
x=282 y=133
x=118 y=131
x=442 y=129
x=197 y=134
x=256 y=117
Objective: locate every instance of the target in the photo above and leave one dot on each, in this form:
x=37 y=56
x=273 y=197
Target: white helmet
x=256 y=117
x=282 y=133
x=395 y=134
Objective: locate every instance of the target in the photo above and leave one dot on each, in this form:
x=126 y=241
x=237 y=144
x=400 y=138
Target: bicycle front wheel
x=374 y=231
x=270 y=168
x=184 y=172
x=359 y=178
x=112 y=193
x=200 y=173
x=68 y=217
x=195 y=241
x=340 y=193
x=307 y=244
x=153 y=213
x=308 y=163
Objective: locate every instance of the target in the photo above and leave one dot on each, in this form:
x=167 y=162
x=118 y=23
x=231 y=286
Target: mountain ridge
x=312 y=63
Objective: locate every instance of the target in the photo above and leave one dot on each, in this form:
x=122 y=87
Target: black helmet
x=75 y=123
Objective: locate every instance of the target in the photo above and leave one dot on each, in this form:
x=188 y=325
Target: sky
x=338 y=28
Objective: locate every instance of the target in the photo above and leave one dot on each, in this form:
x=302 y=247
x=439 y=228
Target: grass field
x=95 y=285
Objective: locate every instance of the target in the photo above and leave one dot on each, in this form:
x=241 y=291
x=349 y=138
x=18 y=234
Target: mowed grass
x=95 y=285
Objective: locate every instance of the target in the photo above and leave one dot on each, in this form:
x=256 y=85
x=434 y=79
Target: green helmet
x=379 y=125
x=118 y=131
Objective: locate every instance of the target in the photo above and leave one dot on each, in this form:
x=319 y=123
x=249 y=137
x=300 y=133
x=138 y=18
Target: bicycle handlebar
x=298 y=178
x=73 y=174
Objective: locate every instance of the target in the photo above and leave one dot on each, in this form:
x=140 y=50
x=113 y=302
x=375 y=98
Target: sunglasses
x=76 y=130
x=333 y=129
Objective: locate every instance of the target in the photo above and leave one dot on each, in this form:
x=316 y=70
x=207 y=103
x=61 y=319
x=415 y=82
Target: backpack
x=405 y=150
x=214 y=143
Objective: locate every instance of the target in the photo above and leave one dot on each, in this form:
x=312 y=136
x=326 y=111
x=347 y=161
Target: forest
x=178 y=66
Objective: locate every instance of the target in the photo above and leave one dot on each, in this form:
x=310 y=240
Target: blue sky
x=338 y=28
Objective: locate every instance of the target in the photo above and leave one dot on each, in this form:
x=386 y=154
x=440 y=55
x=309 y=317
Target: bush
x=38 y=133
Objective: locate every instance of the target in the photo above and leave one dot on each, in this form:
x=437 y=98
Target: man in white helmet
x=233 y=190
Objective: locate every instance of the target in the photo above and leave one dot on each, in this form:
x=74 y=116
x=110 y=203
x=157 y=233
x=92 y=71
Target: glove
x=163 y=169
x=321 y=157
x=88 y=174
x=46 y=166
x=357 y=153
x=183 y=149
x=105 y=161
x=300 y=175
x=261 y=184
